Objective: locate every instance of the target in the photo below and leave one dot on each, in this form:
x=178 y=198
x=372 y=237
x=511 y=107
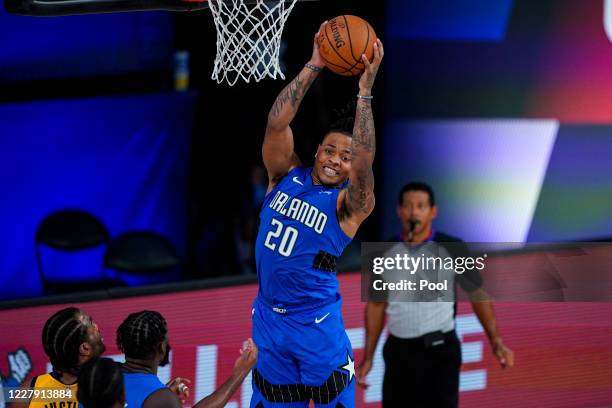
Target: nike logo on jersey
x=317 y=321
x=295 y=180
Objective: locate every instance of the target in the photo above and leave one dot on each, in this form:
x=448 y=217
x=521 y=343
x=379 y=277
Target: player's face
x=333 y=159
x=165 y=353
x=417 y=208
x=94 y=337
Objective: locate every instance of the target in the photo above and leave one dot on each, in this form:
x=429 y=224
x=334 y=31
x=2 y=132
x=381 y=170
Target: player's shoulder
x=47 y=380
x=298 y=173
x=295 y=175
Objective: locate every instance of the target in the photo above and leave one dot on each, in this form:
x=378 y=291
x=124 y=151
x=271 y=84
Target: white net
x=248 y=38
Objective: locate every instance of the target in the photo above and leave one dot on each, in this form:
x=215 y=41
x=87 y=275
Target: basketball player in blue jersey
x=309 y=215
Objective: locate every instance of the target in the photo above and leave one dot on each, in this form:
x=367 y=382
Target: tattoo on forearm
x=360 y=190
x=363 y=132
x=293 y=93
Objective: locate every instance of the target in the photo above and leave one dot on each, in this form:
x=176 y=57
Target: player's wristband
x=315 y=69
x=365 y=97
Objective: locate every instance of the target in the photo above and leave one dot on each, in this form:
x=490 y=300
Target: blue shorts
x=303 y=355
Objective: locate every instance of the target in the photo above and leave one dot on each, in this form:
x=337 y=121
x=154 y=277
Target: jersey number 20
x=287 y=242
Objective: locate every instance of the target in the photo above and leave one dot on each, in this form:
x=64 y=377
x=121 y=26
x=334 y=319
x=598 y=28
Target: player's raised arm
x=357 y=201
x=278 y=154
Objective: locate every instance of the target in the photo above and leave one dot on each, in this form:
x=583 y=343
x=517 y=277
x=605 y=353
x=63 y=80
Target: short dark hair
x=342 y=125
x=345 y=121
x=100 y=384
x=417 y=186
x=140 y=334
x=62 y=335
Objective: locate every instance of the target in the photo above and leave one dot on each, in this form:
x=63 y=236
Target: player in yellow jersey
x=70 y=338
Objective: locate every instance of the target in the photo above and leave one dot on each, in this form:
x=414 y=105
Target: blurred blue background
x=121 y=159
x=87 y=45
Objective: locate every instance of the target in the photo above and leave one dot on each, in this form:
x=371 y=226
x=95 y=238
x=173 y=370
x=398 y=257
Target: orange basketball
x=342 y=43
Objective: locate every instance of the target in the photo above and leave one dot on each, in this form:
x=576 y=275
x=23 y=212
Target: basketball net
x=248 y=38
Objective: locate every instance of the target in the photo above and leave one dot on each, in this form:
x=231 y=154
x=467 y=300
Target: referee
x=422 y=353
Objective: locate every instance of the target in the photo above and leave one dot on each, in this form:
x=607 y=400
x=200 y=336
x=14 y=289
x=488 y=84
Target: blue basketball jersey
x=138 y=387
x=299 y=236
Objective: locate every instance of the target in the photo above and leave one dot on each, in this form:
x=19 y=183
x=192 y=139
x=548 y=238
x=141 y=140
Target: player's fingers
x=249 y=344
x=177 y=381
x=365 y=62
x=321 y=28
x=376 y=53
x=246 y=346
x=510 y=359
x=183 y=389
x=501 y=358
x=381 y=49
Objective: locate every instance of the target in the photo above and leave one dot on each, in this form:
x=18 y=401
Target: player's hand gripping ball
x=343 y=41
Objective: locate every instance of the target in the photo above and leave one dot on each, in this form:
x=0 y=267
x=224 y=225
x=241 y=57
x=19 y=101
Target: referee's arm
x=483 y=308
x=374 y=323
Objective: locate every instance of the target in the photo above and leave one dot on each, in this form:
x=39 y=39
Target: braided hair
x=140 y=334
x=62 y=335
x=100 y=384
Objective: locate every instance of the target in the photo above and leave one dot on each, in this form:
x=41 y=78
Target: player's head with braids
x=101 y=384
x=144 y=336
x=333 y=159
x=70 y=339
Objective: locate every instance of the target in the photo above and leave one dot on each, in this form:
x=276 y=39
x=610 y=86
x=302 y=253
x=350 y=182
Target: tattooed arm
x=278 y=155
x=356 y=202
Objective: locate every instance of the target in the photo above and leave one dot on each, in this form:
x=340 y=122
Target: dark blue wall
x=123 y=159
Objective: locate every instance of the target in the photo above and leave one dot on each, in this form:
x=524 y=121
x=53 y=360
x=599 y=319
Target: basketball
x=342 y=43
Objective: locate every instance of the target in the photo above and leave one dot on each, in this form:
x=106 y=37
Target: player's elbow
x=370 y=204
x=276 y=123
x=362 y=205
